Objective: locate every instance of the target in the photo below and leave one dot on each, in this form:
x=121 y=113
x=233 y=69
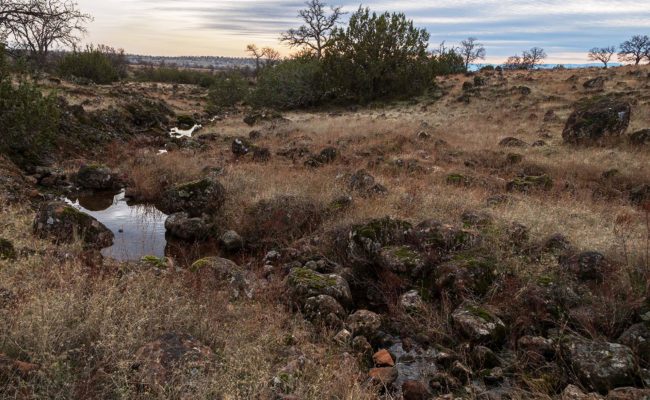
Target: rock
x=587 y=266
x=600 y=366
x=415 y=390
x=324 y=309
x=97 y=177
x=304 y=283
x=328 y=155
x=159 y=360
x=529 y=183
x=556 y=244
x=182 y=226
x=231 y=241
x=365 y=241
x=537 y=345
x=384 y=376
x=365 y=184
x=402 y=260
x=361 y=345
x=572 y=392
x=431 y=235
x=476 y=219
x=203 y=196
x=484 y=357
x=442 y=382
x=460 y=371
x=241 y=147
x=512 y=142
x=637 y=337
x=539 y=143
x=343 y=337
x=423 y=135
x=382 y=358
x=640 y=195
x=493 y=376
x=597 y=119
x=256 y=116
x=478 y=324
x=364 y=322
x=7 y=250
x=411 y=301
x=64 y=224
x=629 y=393
x=221 y=273
x=254 y=134
x=641 y=137
x=597 y=83
x=466 y=276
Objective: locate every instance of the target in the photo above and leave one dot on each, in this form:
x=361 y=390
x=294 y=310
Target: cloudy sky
x=565 y=28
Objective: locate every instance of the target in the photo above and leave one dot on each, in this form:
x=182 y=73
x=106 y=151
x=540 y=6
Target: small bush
x=175 y=75
x=101 y=64
x=290 y=84
x=227 y=90
x=28 y=121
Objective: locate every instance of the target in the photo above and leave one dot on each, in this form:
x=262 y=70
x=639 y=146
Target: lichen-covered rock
x=203 y=196
x=366 y=240
x=172 y=353
x=597 y=119
x=241 y=147
x=7 y=250
x=97 y=177
x=431 y=235
x=600 y=366
x=304 y=283
x=365 y=184
x=364 y=323
x=402 y=260
x=64 y=224
x=637 y=337
x=182 y=226
x=466 y=276
x=324 y=309
x=629 y=393
x=529 y=183
x=220 y=273
x=478 y=324
x=411 y=301
x=586 y=266
x=231 y=241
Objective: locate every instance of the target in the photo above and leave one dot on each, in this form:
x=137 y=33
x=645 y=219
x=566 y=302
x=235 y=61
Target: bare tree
x=602 y=54
x=269 y=55
x=635 y=49
x=316 y=31
x=40 y=24
x=533 y=57
x=471 y=51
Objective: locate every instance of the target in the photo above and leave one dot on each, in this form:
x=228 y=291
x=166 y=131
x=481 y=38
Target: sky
x=566 y=29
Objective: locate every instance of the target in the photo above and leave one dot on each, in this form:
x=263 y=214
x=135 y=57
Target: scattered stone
x=512 y=142
x=600 y=366
x=384 y=376
x=641 y=137
x=64 y=224
x=484 y=357
x=637 y=337
x=478 y=324
x=231 y=241
x=343 y=337
x=411 y=301
x=220 y=273
x=241 y=147
x=402 y=260
x=415 y=390
x=171 y=353
x=587 y=266
x=597 y=83
x=364 y=322
x=182 y=226
x=365 y=184
x=324 y=309
x=361 y=345
x=597 y=119
x=528 y=183
x=382 y=358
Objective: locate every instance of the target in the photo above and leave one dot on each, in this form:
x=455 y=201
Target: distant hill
x=207 y=62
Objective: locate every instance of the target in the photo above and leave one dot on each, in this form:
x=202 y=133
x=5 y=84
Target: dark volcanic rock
x=597 y=119
x=65 y=223
x=195 y=198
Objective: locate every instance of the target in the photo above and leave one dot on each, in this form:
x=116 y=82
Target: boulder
x=364 y=323
x=7 y=250
x=97 y=177
x=364 y=184
x=221 y=273
x=411 y=301
x=324 y=309
x=600 y=366
x=231 y=241
x=241 y=147
x=182 y=226
x=572 y=392
x=637 y=337
x=512 y=142
x=478 y=324
x=586 y=266
x=366 y=240
x=382 y=358
x=383 y=376
x=304 y=283
x=64 y=223
x=172 y=353
x=597 y=119
x=402 y=260
x=629 y=393
x=203 y=196
x=641 y=137
x=466 y=276
x=597 y=83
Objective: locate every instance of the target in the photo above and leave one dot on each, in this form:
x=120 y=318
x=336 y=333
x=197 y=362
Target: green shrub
x=28 y=121
x=175 y=75
x=447 y=63
x=290 y=84
x=101 y=64
x=227 y=90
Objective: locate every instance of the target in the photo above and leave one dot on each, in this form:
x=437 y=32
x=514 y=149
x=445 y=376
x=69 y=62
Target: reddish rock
x=384 y=376
x=382 y=358
x=414 y=390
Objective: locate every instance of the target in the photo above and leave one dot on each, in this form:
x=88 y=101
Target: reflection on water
x=139 y=230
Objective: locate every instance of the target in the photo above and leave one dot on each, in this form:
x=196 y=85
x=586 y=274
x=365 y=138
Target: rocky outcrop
x=203 y=196
x=97 y=177
x=64 y=223
x=304 y=283
x=478 y=324
x=182 y=226
x=596 y=119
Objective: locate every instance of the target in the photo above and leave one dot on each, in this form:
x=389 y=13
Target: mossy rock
x=366 y=240
x=466 y=275
x=402 y=260
x=478 y=324
x=7 y=250
x=595 y=119
x=64 y=223
x=458 y=180
x=153 y=261
x=528 y=183
x=202 y=196
x=304 y=283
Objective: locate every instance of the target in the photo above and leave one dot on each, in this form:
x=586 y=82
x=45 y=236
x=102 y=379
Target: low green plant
x=101 y=64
